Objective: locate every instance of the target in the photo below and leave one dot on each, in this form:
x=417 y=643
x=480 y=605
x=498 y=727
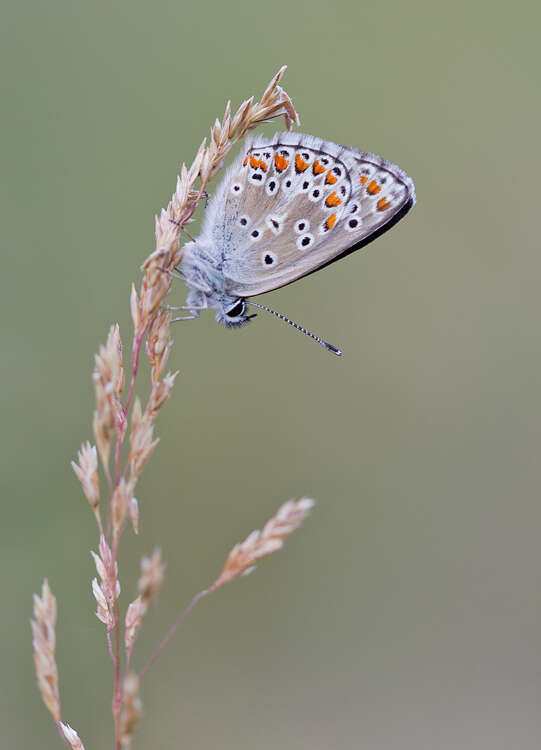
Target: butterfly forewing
x=289 y=206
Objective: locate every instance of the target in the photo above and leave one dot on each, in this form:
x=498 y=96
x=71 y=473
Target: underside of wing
x=290 y=206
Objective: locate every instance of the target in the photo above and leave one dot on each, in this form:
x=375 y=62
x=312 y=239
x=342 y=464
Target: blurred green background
x=405 y=613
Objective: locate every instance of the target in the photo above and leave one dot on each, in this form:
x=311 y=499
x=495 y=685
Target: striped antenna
x=327 y=346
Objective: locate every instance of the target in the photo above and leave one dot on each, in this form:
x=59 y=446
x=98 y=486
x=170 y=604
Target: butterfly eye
x=238 y=309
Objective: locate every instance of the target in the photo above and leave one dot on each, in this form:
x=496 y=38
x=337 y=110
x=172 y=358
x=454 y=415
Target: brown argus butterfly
x=285 y=208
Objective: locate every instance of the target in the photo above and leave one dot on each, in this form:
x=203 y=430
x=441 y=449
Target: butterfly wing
x=290 y=206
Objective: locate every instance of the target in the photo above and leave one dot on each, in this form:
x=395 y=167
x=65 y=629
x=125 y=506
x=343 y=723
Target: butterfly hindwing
x=294 y=204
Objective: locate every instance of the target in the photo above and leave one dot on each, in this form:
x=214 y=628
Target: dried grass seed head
x=151 y=578
x=108 y=379
x=133 y=511
x=258 y=544
x=134 y=617
x=132 y=708
x=86 y=471
x=159 y=343
x=44 y=643
x=141 y=440
x=160 y=393
x=72 y=737
x=107 y=592
x=104 y=612
x=135 y=309
x=120 y=502
x=157 y=279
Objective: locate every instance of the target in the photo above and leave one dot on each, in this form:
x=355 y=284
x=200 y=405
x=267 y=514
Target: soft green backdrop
x=405 y=614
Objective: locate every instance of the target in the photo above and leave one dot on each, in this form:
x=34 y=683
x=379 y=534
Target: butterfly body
x=286 y=208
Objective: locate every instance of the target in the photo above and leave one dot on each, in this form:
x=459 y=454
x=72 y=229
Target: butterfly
x=285 y=208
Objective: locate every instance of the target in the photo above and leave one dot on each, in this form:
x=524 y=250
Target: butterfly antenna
x=327 y=346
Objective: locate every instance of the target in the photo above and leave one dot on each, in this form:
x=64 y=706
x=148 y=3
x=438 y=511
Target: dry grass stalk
x=243 y=557
x=134 y=617
x=86 y=471
x=133 y=510
x=108 y=377
x=132 y=708
x=119 y=415
x=141 y=440
x=159 y=343
x=72 y=737
x=107 y=591
x=44 y=642
x=160 y=393
x=120 y=502
x=148 y=585
x=258 y=544
x=151 y=578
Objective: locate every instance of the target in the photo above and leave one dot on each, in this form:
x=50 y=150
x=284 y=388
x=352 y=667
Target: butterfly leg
x=196 y=301
x=194 y=310
x=172 y=308
x=175 y=273
x=186 y=317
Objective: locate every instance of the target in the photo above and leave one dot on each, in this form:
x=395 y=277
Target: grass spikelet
x=44 y=643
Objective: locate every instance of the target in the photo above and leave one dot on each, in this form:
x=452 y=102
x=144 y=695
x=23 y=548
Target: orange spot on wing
x=318 y=168
x=300 y=164
x=331 y=178
x=258 y=163
x=331 y=221
x=245 y=162
x=373 y=188
x=280 y=162
x=383 y=204
x=363 y=179
x=333 y=200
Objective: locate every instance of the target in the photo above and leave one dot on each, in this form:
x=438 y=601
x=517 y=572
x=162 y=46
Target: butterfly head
x=232 y=312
